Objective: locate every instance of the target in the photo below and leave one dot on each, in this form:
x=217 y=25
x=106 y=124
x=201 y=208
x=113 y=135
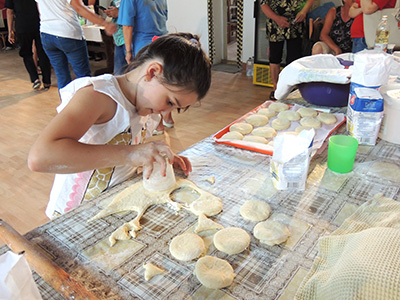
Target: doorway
x=231 y=31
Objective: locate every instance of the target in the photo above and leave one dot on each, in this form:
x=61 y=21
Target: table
x=262 y=272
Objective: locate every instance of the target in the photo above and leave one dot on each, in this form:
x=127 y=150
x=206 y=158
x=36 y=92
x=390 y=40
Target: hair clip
x=154 y=38
x=194 y=43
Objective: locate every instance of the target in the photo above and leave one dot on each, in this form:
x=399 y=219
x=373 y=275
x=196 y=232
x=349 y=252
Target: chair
x=3 y=30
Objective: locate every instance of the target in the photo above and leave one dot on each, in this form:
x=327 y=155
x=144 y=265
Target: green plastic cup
x=342 y=153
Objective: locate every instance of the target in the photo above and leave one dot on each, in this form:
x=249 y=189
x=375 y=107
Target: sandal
x=168 y=125
x=46 y=86
x=158 y=132
x=272 y=96
x=36 y=84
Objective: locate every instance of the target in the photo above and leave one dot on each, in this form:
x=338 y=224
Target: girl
x=96 y=140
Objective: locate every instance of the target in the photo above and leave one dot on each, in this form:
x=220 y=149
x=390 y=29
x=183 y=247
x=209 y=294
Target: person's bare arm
x=127 y=32
x=329 y=18
x=368 y=7
x=302 y=14
x=281 y=21
x=355 y=10
x=10 y=23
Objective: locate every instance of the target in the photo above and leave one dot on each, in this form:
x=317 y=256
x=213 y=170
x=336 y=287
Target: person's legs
x=57 y=58
x=275 y=58
x=25 y=41
x=119 y=59
x=77 y=54
x=44 y=61
x=293 y=47
x=359 y=44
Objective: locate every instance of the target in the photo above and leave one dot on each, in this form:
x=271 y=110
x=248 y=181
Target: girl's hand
x=300 y=16
x=282 y=22
x=112 y=12
x=184 y=163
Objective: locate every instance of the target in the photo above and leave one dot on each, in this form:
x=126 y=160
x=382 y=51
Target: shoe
x=168 y=125
x=36 y=84
x=46 y=86
x=158 y=132
x=272 y=96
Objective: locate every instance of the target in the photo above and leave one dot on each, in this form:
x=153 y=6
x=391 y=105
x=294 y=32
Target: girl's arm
x=302 y=14
x=355 y=10
x=329 y=18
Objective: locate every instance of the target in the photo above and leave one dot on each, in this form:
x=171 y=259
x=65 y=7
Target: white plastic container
x=391 y=119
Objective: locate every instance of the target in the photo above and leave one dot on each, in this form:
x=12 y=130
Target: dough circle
x=266 y=131
x=290 y=115
x=327 y=118
x=207 y=206
x=280 y=124
x=255 y=210
x=214 y=272
x=231 y=240
x=278 y=106
x=232 y=135
x=309 y=123
x=255 y=139
x=307 y=112
x=187 y=246
x=266 y=112
x=257 y=120
x=243 y=128
x=271 y=232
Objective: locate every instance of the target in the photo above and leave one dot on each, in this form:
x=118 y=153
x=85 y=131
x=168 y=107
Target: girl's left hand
x=300 y=17
x=184 y=163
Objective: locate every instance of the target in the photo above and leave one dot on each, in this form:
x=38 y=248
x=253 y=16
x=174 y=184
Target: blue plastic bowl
x=325 y=93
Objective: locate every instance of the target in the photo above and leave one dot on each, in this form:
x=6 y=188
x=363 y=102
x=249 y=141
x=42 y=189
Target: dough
x=300 y=129
x=309 y=123
x=271 y=232
x=307 y=112
x=232 y=135
x=255 y=210
x=213 y=272
x=204 y=223
x=151 y=270
x=255 y=139
x=257 y=120
x=278 y=106
x=231 y=240
x=243 y=128
x=290 y=115
x=266 y=131
x=266 y=112
x=187 y=246
x=280 y=124
x=208 y=206
x=327 y=118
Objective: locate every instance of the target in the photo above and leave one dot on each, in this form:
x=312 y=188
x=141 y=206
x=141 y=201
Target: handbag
x=371 y=23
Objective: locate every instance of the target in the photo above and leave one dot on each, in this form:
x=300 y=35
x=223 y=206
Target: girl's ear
x=153 y=70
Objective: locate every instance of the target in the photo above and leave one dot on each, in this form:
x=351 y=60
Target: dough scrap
x=266 y=112
x=255 y=139
x=204 y=223
x=151 y=270
x=187 y=246
x=243 y=128
x=232 y=135
x=213 y=272
x=327 y=118
x=278 y=106
x=255 y=210
x=231 y=240
x=257 y=120
x=265 y=131
x=271 y=232
x=309 y=123
x=290 y=115
x=307 y=112
x=280 y=124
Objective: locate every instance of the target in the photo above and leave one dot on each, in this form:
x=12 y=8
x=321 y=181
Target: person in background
x=27 y=28
x=285 y=22
x=63 y=39
x=97 y=138
x=357 y=10
x=335 y=36
x=3 y=11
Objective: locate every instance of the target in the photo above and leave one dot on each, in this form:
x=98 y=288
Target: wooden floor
x=24 y=113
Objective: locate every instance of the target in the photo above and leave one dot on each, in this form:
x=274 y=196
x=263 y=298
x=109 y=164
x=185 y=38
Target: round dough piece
x=257 y=120
x=266 y=131
x=266 y=112
x=300 y=129
x=232 y=135
x=271 y=232
x=231 y=240
x=309 y=123
x=280 y=124
x=255 y=210
x=327 y=118
x=307 y=112
x=278 y=106
x=243 y=128
x=213 y=272
x=208 y=206
x=187 y=246
x=255 y=139
x=290 y=115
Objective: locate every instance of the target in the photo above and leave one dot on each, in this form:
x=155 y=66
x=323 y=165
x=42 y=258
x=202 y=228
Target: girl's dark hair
x=185 y=64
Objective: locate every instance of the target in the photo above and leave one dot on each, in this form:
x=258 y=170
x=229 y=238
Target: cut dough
x=208 y=206
x=266 y=131
x=309 y=123
x=300 y=129
x=255 y=210
x=271 y=232
x=257 y=120
x=327 y=118
x=213 y=272
x=266 y=112
x=290 y=115
x=231 y=240
x=307 y=112
x=243 y=128
x=280 y=124
x=278 y=106
x=255 y=139
x=232 y=135
x=151 y=270
x=187 y=246
x=204 y=223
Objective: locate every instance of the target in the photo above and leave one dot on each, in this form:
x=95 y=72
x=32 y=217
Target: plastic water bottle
x=382 y=35
x=249 y=67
